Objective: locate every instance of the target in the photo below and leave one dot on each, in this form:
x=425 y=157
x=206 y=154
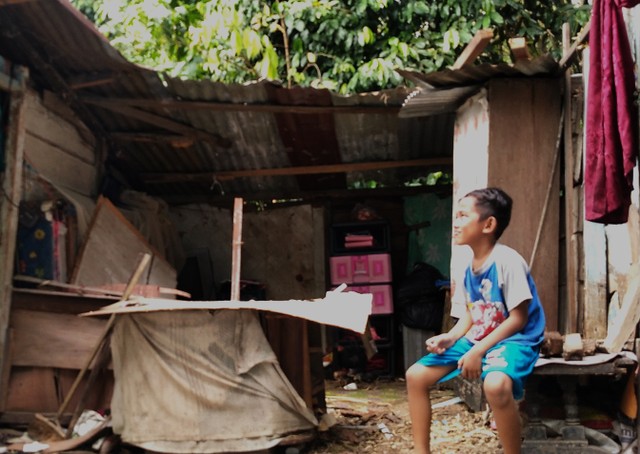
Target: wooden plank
x=628 y=316
x=208 y=177
x=160 y=121
x=524 y=115
x=107 y=290
x=571 y=272
x=32 y=389
x=9 y=208
x=232 y=107
x=292 y=356
x=111 y=250
x=569 y=52
x=60 y=302
x=236 y=249
x=52 y=102
x=81 y=81
x=46 y=125
x=475 y=47
x=60 y=167
x=519 y=49
x=44 y=339
x=14 y=2
x=100 y=397
x=594 y=323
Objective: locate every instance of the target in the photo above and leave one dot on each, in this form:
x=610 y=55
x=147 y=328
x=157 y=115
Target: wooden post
x=9 y=205
x=571 y=312
x=236 y=249
x=475 y=47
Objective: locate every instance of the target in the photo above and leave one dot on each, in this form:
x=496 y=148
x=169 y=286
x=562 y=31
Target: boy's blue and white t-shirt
x=503 y=282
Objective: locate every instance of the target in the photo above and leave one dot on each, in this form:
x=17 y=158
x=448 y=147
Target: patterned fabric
x=498 y=287
x=515 y=360
x=35 y=249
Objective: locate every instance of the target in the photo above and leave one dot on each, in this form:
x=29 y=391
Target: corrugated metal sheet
x=444 y=91
x=63 y=49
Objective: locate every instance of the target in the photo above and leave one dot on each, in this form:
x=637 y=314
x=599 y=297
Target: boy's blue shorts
x=515 y=360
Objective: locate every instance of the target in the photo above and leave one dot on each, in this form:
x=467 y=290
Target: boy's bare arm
x=438 y=344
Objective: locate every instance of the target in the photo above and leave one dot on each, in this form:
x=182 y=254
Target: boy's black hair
x=493 y=202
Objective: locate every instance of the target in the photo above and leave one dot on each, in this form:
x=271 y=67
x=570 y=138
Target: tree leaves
x=346 y=45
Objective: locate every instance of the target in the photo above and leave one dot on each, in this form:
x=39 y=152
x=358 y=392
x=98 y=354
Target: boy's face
x=467 y=225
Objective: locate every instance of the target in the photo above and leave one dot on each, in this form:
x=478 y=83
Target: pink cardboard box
x=382 y=297
x=355 y=269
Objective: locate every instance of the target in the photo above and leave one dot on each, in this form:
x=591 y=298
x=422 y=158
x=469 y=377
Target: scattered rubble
x=374 y=419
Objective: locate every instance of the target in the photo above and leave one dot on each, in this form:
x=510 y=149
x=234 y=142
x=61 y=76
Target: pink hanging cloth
x=611 y=147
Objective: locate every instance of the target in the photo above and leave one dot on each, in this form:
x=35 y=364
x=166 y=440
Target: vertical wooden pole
x=9 y=204
x=236 y=249
x=571 y=312
x=592 y=313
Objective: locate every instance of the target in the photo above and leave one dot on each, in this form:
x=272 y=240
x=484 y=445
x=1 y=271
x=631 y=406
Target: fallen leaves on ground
x=375 y=419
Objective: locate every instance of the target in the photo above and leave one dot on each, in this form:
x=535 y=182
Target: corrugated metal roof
x=283 y=128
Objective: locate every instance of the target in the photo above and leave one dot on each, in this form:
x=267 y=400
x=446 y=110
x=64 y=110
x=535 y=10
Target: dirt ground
x=375 y=419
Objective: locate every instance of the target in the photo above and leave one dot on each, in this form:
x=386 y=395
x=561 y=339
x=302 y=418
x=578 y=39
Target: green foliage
x=344 y=45
x=432 y=179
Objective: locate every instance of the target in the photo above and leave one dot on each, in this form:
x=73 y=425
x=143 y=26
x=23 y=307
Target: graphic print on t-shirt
x=487 y=310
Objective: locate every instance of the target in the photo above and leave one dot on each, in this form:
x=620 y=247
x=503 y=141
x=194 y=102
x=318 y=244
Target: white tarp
x=201 y=381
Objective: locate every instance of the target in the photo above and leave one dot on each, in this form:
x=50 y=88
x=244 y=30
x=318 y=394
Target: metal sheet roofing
x=186 y=140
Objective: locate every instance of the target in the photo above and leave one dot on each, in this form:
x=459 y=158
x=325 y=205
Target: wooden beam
x=293 y=198
x=236 y=249
x=519 y=49
x=174 y=177
x=475 y=47
x=235 y=107
x=168 y=124
x=624 y=325
x=569 y=53
x=91 y=80
x=571 y=323
x=10 y=195
x=14 y=2
x=175 y=140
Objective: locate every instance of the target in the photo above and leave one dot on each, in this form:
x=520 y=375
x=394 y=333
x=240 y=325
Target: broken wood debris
x=571 y=347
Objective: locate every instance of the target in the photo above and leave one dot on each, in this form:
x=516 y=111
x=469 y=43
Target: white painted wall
x=470 y=163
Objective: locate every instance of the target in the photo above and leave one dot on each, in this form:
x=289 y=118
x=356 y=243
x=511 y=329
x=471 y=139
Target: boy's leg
x=419 y=379
x=498 y=389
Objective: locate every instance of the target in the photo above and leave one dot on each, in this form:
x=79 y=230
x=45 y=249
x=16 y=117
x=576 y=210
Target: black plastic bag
x=419 y=298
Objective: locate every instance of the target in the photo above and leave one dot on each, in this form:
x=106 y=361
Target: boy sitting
x=500 y=327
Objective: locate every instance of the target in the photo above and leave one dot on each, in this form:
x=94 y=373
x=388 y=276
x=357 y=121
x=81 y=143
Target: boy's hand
x=438 y=344
x=471 y=364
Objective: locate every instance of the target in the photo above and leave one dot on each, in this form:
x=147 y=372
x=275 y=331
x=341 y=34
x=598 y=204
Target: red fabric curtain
x=611 y=147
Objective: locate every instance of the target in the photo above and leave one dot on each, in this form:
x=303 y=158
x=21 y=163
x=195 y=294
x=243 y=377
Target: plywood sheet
x=32 y=389
x=112 y=249
x=524 y=117
x=50 y=127
x=47 y=339
x=61 y=168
